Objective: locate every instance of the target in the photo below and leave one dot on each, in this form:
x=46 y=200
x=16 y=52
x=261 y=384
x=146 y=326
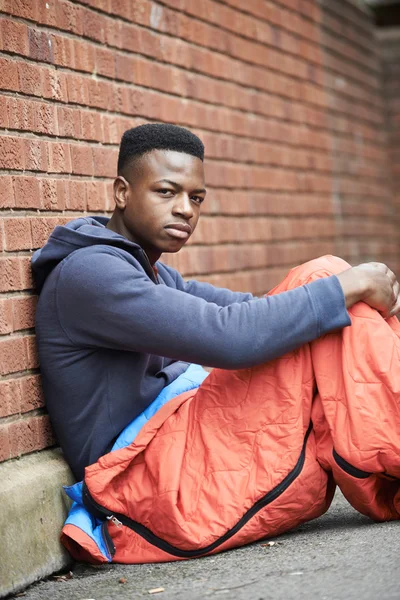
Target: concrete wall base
x=33 y=508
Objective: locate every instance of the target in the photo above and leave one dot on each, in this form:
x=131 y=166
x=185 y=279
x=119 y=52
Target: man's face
x=162 y=200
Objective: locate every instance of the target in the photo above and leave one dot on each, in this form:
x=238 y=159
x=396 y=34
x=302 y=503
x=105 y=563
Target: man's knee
x=324 y=266
x=329 y=263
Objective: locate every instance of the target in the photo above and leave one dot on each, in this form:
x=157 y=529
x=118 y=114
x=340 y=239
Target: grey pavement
x=340 y=556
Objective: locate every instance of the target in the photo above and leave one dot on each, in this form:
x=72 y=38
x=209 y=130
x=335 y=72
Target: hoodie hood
x=65 y=239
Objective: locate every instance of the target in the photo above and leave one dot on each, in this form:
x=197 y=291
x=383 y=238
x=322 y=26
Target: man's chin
x=172 y=248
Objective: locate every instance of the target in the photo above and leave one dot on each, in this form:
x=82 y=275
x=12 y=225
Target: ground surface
x=340 y=556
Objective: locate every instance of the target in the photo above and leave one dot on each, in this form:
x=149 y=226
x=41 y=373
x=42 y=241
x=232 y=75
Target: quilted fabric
x=255 y=452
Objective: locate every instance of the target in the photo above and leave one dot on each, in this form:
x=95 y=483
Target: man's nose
x=183 y=206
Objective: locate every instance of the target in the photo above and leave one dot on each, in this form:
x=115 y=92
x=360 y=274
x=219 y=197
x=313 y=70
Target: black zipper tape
x=99 y=511
x=108 y=539
x=348 y=468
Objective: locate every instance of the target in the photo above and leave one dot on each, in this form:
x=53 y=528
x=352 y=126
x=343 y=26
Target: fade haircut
x=140 y=140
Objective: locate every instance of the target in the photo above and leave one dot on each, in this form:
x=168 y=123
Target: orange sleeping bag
x=254 y=452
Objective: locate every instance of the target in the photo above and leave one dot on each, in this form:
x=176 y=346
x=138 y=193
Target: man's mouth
x=179 y=230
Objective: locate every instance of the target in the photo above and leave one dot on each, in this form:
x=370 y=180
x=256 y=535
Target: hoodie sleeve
x=103 y=301
x=201 y=289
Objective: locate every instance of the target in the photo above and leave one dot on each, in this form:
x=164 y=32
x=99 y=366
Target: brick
x=5 y=451
x=17 y=234
x=54 y=193
x=113 y=127
x=63 y=51
x=35 y=154
x=109 y=196
x=30 y=78
x=33 y=357
x=93 y=25
x=40 y=45
x=10 y=397
x=69 y=122
x=17 y=313
x=6 y=316
x=125 y=67
x=27 y=9
x=81 y=159
x=96 y=196
x=46 y=118
x=27 y=192
x=105 y=161
x=41 y=228
x=105 y=62
x=30 y=434
x=23 y=312
x=4 y=122
x=11 y=152
x=14 y=36
x=14 y=355
x=45 y=432
x=55 y=85
x=121 y=8
x=91 y=126
x=31 y=393
x=59 y=158
x=104 y=5
x=85 y=54
x=2 y=240
x=101 y=94
x=21 y=114
x=23 y=435
x=7 y=199
x=77 y=89
x=77 y=196
x=69 y=17
x=15 y=274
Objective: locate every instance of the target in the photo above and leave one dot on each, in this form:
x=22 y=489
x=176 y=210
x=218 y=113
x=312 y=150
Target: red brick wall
x=360 y=193
x=389 y=40
x=285 y=94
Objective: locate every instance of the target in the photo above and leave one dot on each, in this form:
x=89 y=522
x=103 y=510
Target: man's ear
x=120 y=192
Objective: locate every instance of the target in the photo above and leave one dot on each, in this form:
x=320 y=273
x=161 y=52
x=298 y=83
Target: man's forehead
x=160 y=164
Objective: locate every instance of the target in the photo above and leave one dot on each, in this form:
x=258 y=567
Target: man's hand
x=373 y=283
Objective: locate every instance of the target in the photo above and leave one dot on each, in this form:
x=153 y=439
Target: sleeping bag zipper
x=348 y=468
x=99 y=511
x=108 y=540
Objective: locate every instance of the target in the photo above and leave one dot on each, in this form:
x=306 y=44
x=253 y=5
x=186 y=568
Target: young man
x=116 y=328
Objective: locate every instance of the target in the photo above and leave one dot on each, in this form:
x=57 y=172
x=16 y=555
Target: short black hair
x=139 y=140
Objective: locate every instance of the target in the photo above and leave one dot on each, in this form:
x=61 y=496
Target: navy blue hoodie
x=111 y=334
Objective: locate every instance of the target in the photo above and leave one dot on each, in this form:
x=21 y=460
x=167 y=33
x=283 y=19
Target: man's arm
x=112 y=304
x=200 y=289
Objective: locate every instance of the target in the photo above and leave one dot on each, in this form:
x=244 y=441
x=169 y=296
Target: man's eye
x=165 y=192
x=198 y=199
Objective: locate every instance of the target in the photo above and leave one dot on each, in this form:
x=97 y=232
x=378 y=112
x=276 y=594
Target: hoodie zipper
x=118 y=518
x=348 y=468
